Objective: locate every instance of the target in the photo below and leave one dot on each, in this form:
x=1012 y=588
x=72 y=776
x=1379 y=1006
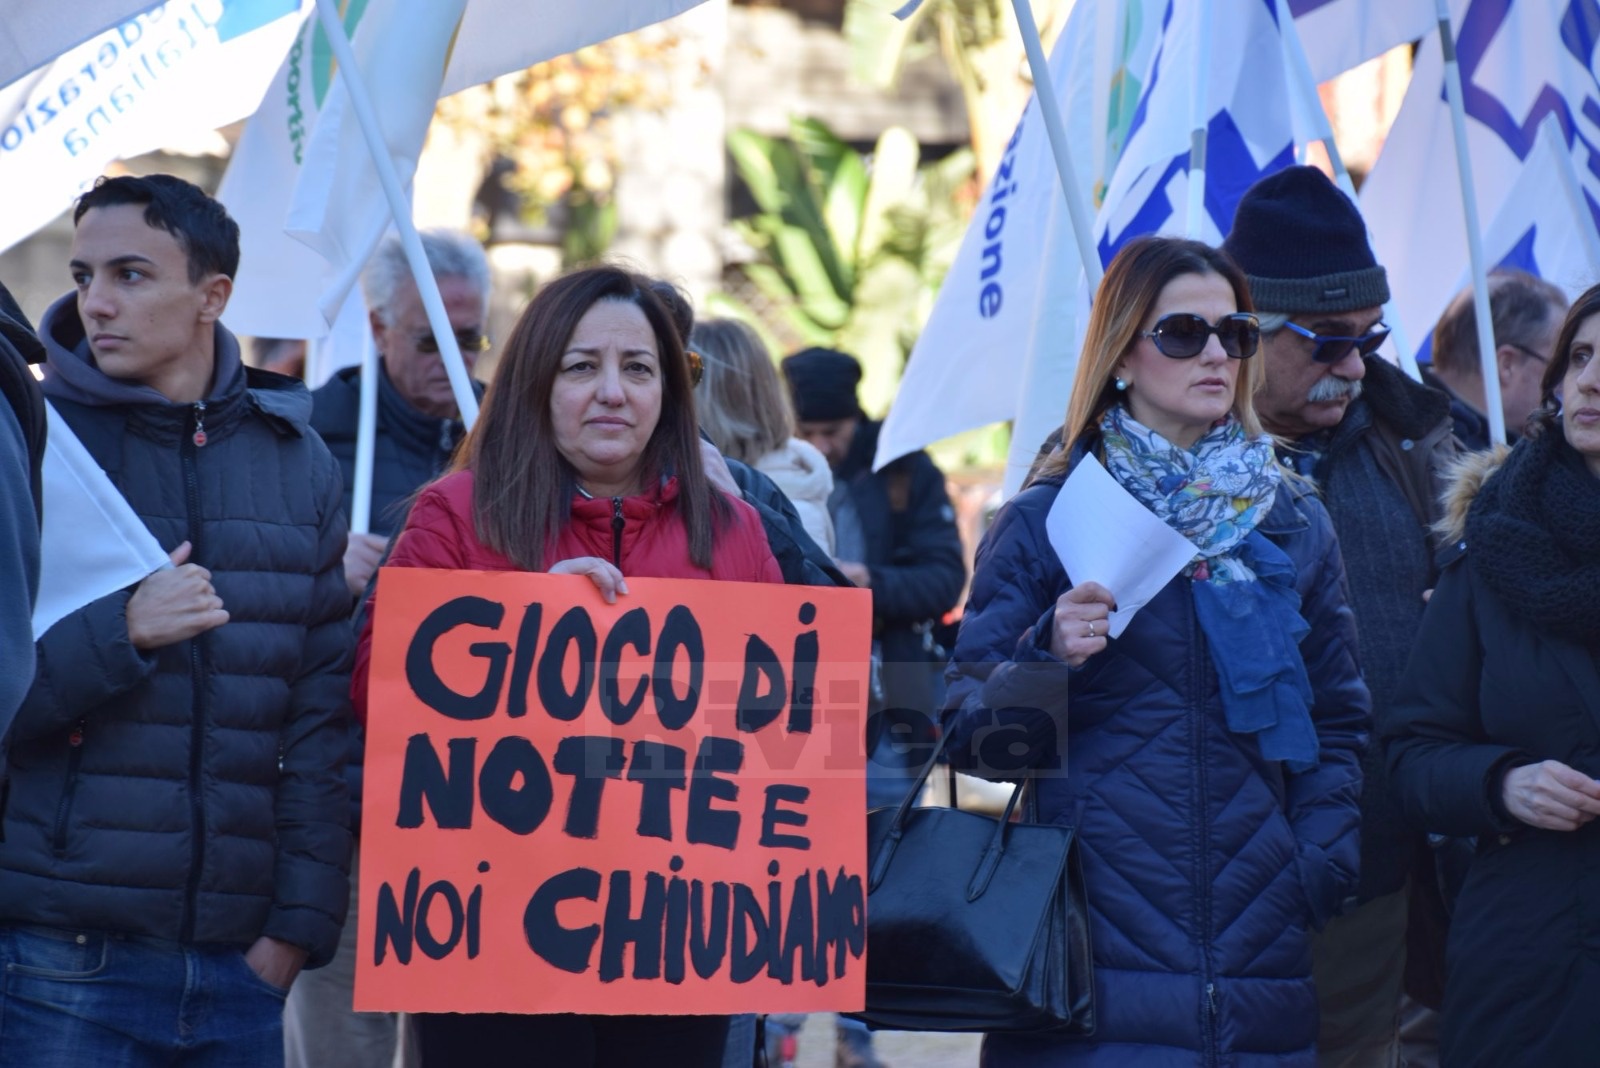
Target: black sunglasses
x=469 y=340
x=1330 y=348
x=1183 y=335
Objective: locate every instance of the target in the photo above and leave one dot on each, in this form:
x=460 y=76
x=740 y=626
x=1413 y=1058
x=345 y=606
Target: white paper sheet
x=93 y=542
x=1103 y=534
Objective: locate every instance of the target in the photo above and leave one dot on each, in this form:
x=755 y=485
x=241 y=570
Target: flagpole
x=1044 y=91
x=400 y=208
x=1199 y=97
x=1469 y=206
x=366 y=436
x=1299 y=71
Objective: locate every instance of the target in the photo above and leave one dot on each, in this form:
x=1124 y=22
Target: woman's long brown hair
x=522 y=485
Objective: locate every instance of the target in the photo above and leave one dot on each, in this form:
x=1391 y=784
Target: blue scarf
x=1215 y=493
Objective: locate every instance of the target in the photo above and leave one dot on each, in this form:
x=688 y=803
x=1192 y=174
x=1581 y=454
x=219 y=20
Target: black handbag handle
x=988 y=863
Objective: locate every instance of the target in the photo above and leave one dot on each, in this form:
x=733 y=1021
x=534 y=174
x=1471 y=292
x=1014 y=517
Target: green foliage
x=851 y=248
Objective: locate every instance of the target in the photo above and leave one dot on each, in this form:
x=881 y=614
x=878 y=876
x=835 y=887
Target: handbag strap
x=988 y=863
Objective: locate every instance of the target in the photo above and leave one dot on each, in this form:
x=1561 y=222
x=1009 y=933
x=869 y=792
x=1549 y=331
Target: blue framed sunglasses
x=1330 y=348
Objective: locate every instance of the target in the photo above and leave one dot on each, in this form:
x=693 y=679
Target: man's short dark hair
x=201 y=225
x=1522 y=308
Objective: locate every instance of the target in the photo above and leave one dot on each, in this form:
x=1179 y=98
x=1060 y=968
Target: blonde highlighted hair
x=1122 y=307
x=743 y=404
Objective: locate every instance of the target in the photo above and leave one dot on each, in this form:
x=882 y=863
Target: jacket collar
x=1408 y=407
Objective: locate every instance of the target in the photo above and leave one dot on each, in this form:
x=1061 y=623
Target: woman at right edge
x=1496 y=731
x=1209 y=756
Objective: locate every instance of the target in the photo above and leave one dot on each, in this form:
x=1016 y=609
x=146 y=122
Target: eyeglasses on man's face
x=1183 y=335
x=469 y=340
x=1538 y=357
x=1331 y=348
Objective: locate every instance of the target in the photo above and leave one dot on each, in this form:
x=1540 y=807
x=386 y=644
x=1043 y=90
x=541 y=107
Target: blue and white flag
x=1240 y=93
x=1523 y=62
x=1002 y=340
x=1010 y=299
x=1545 y=226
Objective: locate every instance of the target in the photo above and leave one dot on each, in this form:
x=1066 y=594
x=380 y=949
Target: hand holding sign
x=174 y=605
x=606 y=578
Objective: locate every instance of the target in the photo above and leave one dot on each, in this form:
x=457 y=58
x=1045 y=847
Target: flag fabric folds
x=288 y=159
x=1523 y=62
x=1340 y=34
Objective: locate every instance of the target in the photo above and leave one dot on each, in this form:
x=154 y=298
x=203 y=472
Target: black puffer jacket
x=194 y=793
x=409 y=449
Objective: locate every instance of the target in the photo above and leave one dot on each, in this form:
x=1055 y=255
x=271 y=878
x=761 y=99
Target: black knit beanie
x=1303 y=246
x=823 y=383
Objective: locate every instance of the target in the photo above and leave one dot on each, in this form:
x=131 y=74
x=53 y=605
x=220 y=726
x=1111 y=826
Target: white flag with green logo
x=337 y=202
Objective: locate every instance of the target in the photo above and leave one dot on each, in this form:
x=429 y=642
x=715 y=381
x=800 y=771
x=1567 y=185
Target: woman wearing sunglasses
x=1209 y=754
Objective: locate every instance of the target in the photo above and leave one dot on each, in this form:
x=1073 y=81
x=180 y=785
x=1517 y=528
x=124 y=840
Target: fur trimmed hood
x=1463 y=480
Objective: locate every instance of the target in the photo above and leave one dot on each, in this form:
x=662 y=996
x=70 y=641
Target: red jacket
x=654 y=543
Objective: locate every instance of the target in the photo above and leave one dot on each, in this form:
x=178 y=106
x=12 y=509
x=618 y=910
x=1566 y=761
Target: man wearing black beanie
x=1377 y=446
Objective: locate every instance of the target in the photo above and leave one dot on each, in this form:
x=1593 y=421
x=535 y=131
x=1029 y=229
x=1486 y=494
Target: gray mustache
x=1330 y=388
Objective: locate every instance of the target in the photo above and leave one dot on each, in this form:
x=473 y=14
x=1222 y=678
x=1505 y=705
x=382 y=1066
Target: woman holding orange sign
x=586 y=459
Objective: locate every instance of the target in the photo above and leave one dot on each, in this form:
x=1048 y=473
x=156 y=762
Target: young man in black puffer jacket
x=176 y=823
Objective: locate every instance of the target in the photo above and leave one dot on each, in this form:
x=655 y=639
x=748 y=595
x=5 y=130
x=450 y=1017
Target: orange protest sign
x=656 y=806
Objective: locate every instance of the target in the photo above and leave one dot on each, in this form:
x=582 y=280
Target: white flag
x=1340 y=34
x=1014 y=283
x=179 y=69
x=1522 y=61
x=338 y=208
x=1544 y=227
x=282 y=284
x=92 y=543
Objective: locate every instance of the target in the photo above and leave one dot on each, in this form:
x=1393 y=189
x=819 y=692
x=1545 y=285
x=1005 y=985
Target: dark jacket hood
x=71 y=374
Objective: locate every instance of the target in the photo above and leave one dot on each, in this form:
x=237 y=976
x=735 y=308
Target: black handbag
x=974 y=923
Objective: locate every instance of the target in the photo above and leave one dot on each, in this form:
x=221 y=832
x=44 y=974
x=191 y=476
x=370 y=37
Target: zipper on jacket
x=197 y=673
x=616 y=531
x=1201 y=676
x=69 y=788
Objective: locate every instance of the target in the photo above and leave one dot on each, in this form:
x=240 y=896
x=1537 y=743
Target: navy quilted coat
x=1205 y=863
x=192 y=793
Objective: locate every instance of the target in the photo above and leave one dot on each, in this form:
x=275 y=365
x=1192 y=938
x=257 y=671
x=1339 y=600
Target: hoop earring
x=1122 y=386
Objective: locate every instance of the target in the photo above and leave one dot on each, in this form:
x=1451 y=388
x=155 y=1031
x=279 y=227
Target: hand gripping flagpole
x=400 y=208
x=1469 y=207
x=1044 y=91
x=1305 y=85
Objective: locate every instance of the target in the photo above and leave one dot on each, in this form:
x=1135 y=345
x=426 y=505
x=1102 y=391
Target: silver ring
x=1091 y=628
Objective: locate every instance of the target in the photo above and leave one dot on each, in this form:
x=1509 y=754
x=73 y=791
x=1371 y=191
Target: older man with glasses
x=1376 y=444
x=417 y=430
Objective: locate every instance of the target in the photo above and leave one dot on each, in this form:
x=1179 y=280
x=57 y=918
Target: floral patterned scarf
x=1213 y=493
